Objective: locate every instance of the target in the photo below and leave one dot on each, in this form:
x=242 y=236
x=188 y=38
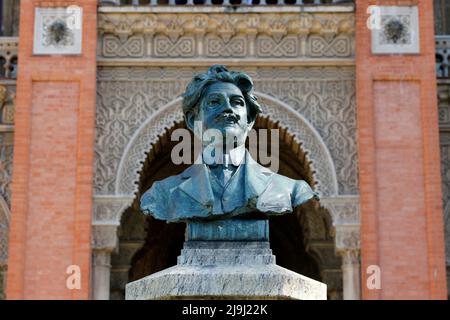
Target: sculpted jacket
x=194 y=194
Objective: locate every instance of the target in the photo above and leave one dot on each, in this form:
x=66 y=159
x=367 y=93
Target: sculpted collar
x=235 y=157
x=197 y=185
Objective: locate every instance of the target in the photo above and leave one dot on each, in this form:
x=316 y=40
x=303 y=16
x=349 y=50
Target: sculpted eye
x=213 y=102
x=238 y=102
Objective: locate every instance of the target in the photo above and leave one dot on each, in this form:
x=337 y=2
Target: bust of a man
x=225 y=181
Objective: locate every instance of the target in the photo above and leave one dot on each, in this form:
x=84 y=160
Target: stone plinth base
x=226 y=270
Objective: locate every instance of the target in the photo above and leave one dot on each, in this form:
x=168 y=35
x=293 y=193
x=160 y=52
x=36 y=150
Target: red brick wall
x=53 y=163
x=398 y=146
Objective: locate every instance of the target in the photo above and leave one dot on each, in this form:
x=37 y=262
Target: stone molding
x=344 y=209
x=345 y=214
x=106 y=220
x=108 y=209
x=104 y=237
x=285 y=35
x=350 y=258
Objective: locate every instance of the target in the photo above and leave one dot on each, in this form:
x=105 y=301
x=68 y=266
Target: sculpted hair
x=219 y=73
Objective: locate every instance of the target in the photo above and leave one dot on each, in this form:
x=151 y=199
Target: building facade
x=358 y=90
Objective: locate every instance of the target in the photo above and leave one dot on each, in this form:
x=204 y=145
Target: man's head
x=221 y=100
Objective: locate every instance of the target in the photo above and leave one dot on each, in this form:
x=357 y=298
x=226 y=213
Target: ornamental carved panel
x=444 y=124
x=127 y=96
x=6 y=163
x=230 y=35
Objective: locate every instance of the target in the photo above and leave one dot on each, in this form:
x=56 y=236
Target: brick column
x=400 y=184
x=53 y=163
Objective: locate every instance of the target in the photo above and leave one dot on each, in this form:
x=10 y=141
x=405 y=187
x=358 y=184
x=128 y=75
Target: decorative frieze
x=231 y=35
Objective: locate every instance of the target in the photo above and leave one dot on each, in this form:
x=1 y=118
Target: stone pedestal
x=226 y=270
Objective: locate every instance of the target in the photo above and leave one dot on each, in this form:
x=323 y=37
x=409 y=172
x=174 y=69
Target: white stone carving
x=344 y=209
x=108 y=209
x=104 y=237
x=323 y=96
x=58 y=30
x=444 y=136
x=6 y=165
x=141 y=142
x=4 y=231
x=347 y=237
x=312 y=144
x=230 y=35
x=398 y=30
x=345 y=213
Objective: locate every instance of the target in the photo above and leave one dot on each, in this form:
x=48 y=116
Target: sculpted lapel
x=197 y=184
x=257 y=178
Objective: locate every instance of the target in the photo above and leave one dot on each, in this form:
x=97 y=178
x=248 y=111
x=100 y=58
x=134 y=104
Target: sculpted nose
x=226 y=107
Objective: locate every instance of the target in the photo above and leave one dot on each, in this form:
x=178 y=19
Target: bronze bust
x=228 y=183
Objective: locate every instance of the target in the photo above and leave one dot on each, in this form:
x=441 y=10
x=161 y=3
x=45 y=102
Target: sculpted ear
x=250 y=124
x=251 y=118
x=189 y=117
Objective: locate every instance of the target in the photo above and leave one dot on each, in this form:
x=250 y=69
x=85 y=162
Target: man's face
x=223 y=108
